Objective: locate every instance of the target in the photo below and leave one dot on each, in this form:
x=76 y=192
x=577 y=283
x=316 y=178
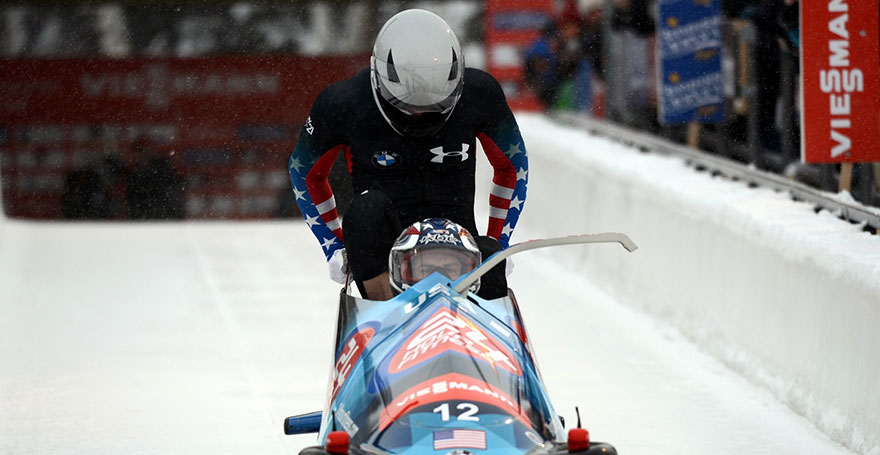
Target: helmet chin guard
x=417 y=72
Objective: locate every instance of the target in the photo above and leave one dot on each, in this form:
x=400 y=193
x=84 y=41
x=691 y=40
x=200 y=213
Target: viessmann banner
x=188 y=91
x=840 y=115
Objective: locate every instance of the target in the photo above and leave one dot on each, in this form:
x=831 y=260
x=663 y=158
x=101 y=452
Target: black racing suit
x=399 y=180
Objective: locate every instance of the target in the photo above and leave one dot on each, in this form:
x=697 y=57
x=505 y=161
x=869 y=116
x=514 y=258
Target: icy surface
x=202 y=337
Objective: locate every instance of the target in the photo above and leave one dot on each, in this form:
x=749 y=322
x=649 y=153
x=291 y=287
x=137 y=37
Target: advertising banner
x=227 y=123
x=840 y=115
x=688 y=50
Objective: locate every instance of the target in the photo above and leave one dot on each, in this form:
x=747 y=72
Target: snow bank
x=787 y=297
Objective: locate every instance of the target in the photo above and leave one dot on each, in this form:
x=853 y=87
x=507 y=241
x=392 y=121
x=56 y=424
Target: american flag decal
x=460 y=439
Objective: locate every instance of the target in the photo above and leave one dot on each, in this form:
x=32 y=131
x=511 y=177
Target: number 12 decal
x=469 y=410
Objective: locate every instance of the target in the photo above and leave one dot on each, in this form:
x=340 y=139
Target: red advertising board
x=229 y=123
x=512 y=26
x=840 y=64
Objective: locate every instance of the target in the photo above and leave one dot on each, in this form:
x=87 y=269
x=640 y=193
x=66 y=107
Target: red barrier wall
x=228 y=123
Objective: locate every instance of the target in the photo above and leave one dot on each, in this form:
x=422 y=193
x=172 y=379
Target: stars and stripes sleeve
x=509 y=183
x=506 y=151
x=309 y=166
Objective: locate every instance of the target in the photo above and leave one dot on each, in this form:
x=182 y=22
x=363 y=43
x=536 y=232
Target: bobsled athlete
x=408 y=127
x=432 y=245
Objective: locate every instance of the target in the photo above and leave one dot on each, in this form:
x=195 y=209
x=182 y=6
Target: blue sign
x=689 y=48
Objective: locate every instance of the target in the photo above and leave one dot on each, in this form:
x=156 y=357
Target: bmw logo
x=386 y=159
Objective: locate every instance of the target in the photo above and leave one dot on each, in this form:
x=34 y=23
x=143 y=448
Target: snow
x=641 y=385
x=202 y=336
x=785 y=297
x=165 y=338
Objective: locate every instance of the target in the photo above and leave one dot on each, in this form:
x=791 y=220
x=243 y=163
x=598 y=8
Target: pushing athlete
x=408 y=127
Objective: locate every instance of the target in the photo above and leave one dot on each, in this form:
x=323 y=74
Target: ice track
x=202 y=337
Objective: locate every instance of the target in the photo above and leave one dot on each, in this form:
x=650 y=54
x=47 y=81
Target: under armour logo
x=440 y=154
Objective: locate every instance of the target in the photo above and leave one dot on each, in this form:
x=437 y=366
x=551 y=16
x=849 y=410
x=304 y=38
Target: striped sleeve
x=309 y=168
x=507 y=155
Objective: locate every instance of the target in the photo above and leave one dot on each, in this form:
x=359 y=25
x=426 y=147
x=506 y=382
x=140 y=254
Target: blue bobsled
x=440 y=371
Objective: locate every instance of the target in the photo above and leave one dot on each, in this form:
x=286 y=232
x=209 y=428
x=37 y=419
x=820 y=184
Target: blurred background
x=190 y=109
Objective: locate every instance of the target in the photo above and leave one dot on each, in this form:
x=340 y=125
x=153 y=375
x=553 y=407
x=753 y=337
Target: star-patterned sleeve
x=506 y=152
x=309 y=167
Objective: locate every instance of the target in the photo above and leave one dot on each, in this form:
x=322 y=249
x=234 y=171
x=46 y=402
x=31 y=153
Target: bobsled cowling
x=429 y=361
x=439 y=370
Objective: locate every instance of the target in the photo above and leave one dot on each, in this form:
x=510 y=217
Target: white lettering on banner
x=701 y=91
x=840 y=81
x=837 y=6
x=690 y=38
x=158 y=86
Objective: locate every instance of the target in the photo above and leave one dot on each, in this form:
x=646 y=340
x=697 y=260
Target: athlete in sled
x=437 y=369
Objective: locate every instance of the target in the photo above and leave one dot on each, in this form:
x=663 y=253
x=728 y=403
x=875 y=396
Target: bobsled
x=439 y=370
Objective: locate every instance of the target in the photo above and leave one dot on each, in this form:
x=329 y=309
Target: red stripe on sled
x=452 y=386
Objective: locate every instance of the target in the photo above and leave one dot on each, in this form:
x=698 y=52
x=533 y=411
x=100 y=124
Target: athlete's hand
x=338 y=266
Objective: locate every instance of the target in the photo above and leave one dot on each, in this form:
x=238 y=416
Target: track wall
x=792 y=305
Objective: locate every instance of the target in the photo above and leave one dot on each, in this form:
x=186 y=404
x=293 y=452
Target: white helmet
x=417 y=72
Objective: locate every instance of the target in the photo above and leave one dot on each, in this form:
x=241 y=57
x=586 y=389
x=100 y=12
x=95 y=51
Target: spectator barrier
x=851 y=211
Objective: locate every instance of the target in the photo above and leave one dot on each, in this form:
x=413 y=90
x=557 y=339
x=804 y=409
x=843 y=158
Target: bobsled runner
x=439 y=370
